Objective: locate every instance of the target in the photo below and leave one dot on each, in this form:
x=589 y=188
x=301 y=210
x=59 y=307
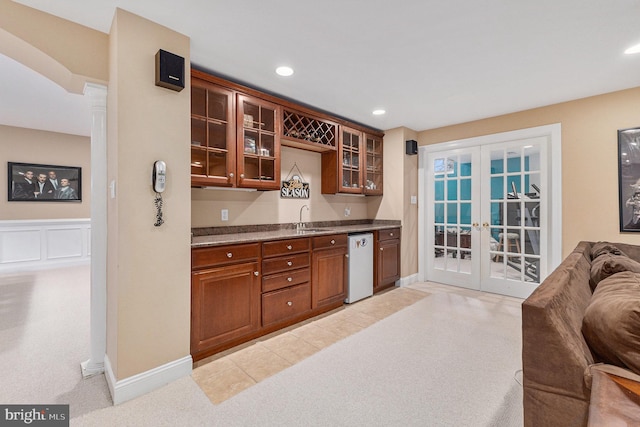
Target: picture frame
x=32 y=182
x=629 y=179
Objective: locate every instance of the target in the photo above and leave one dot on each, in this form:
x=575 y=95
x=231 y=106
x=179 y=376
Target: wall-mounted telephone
x=159 y=176
x=158 y=180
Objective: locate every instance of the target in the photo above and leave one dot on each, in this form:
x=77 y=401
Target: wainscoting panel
x=38 y=244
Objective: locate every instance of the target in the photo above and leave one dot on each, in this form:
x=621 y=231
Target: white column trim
x=97 y=97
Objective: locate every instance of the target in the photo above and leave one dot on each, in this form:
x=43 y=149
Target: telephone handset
x=159 y=176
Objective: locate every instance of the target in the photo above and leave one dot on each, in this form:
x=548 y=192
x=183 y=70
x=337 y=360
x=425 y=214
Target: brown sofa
x=555 y=354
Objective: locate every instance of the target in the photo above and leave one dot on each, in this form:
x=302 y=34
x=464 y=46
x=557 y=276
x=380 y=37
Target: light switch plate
x=224 y=214
x=414 y=200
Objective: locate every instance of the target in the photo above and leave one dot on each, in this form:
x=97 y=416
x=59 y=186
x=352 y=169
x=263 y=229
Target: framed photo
x=629 y=179
x=30 y=182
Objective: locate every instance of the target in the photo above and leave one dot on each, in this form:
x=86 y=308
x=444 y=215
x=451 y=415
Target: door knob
x=485 y=225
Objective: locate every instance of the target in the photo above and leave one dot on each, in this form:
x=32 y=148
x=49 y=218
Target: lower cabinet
x=225 y=299
x=330 y=270
x=387 y=261
x=240 y=292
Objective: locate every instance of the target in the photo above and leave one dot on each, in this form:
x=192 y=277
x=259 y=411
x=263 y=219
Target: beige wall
x=589 y=158
x=266 y=207
x=66 y=53
x=148 y=280
x=49 y=148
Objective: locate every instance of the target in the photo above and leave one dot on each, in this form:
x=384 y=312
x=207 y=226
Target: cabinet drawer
x=286 y=303
x=392 y=233
x=333 y=241
x=283 y=247
x=284 y=263
x=283 y=280
x=205 y=257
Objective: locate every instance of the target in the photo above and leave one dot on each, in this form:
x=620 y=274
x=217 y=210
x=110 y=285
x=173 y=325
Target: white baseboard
x=406 y=281
x=145 y=382
x=40 y=244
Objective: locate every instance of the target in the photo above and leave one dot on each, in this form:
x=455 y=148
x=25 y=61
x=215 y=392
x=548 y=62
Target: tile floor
x=227 y=373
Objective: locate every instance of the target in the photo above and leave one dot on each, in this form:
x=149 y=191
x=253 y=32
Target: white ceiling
x=428 y=63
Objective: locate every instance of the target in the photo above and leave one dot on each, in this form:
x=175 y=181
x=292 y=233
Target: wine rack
x=302 y=128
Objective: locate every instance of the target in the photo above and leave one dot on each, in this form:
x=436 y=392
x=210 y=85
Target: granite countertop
x=216 y=236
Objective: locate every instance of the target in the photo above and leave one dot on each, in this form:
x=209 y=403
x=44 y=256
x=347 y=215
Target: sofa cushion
x=602 y=248
x=611 y=324
x=608 y=264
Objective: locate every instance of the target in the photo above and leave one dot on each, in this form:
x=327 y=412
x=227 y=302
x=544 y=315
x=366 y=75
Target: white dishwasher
x=360 y=267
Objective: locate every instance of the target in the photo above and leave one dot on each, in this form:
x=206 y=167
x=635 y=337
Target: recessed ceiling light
x=633 y=49
x=378 y=112
x=284 y=71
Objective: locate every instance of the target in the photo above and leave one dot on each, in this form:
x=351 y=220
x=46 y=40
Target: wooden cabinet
x=373 y=165
x=213 y=142
x=286 y=283
x=225 y=295
x=356 y=167
x=329 y=270
x=258 y=130
x=235 y=138
x=387 y=258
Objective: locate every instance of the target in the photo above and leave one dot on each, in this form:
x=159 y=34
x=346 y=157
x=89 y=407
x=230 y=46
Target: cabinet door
x=329 y=276
x=373 y=165
x=388 y=263
x=225 y=304
x=258 y=131
x=351 y=161
x=213 y=143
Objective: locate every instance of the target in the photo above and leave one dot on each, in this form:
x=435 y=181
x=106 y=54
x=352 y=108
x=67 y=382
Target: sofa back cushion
x=609 y=264
x=611 y=324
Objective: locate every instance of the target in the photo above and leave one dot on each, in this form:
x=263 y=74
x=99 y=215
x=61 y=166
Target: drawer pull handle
x=289 y=263
x=333 y=242
x=289 y=247
x=289 y=303
x=289 y=279
x=229 y=254
x=255 y=273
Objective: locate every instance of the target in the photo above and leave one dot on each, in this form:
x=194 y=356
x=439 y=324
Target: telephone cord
x=158 y=203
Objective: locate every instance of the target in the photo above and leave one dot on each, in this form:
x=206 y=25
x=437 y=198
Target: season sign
x=294 y=189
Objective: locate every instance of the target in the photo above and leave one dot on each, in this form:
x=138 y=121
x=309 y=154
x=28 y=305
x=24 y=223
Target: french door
x=486 y=216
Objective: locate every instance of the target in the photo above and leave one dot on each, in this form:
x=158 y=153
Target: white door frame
x=554 y=134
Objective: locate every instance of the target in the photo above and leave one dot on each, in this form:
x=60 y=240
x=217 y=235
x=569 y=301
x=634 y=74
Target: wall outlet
x=414 y=200
x=347 y=211
x=224 y=214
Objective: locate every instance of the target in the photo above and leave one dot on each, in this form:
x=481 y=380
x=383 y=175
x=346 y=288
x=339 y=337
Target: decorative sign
x=294 y=189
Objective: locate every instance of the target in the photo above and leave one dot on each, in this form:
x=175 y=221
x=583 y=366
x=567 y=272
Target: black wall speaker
x=169 y=70
x=412 y=147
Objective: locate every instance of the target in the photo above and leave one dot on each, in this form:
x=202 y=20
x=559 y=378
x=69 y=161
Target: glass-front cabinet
x=213 y=148
x=373 y=165
x=258 y=162
x=350 y=155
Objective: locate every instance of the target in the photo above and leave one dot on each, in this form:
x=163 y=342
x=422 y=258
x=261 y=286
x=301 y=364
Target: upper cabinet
x=373 y=165
x=236 y=133
x=258 y=134
x=213 y=135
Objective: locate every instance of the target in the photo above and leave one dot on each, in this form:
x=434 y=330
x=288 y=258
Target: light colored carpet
x=448 y=360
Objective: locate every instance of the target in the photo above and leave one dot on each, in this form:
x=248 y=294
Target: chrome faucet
x=300 y=224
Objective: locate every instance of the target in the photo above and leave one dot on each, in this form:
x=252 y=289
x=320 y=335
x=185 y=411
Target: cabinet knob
x=289 y=263
x=242 y=176
x=289 y=303
x=229 y=254
x=391 y=234
x=382 y=249
x=289 y=247
x=333 y=242
x=255 y=273
x=346 y=255
x=289 y=279
x=231 y=175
